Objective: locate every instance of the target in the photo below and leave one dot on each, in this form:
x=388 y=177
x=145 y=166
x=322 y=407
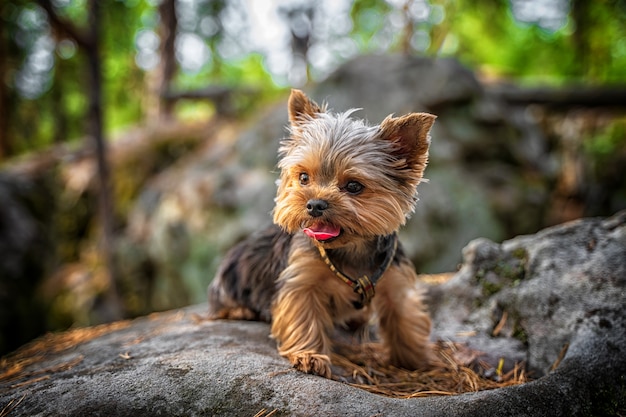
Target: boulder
x=556 y=300
x=26 y=254
x=480 y=161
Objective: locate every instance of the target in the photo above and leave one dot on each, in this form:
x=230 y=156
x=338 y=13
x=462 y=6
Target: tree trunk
x=112 y=305
x=89 y=42
x=5 y=144
x=167 y=65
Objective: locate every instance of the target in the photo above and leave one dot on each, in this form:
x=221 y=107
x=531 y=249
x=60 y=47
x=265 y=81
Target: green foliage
x=588 y=48
x=123 y=80
x=45 y=75
x=367 y=23
x=608 y=141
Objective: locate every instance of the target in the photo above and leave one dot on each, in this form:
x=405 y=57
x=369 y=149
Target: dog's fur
x=349 y=186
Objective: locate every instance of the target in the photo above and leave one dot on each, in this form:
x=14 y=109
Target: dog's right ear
x=410 y=135
x=302 y=108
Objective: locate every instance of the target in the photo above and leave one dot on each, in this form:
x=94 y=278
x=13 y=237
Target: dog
x=332 y=256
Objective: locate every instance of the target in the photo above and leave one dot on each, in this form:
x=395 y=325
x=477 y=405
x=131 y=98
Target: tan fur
x=282 y=272
x=403 y=319
x=309 y=304
x=301 y=107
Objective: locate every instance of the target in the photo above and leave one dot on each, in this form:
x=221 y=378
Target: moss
x=490 y=288
x=513 y=269
x=506 y=271
x=521 y=254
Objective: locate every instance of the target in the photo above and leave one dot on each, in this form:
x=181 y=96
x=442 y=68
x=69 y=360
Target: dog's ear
x=301 y=107
x=410 y=135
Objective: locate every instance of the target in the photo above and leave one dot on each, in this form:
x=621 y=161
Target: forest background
x=80 y=74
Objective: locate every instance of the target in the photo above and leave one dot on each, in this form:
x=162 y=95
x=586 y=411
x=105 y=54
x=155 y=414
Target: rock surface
x=565 y=286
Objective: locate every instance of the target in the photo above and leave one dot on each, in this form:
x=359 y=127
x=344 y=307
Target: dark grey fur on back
x=247 y=275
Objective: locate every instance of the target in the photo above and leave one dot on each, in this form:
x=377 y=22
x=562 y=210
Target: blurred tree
x=43 y=75
x=16 y=35
x=5 y=144
x=88 y=41
x=167 y=66
x=299 y=19
x=154 y=49
x=555 y=42
x=598 y=39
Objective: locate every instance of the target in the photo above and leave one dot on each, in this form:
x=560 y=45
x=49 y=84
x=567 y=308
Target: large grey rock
x=540 y=289
x=225 y=190
x=26 y=252
x=564 y=285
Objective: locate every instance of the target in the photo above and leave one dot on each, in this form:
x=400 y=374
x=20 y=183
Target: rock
x=540 y=289
x=564 y=286
x=225 y=191
x=26 y=254
x=408 y=83
x=50 y=267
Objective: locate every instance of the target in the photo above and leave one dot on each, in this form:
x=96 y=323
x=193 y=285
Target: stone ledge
x=177 y=364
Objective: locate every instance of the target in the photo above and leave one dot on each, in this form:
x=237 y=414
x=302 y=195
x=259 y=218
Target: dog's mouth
x=322 y=232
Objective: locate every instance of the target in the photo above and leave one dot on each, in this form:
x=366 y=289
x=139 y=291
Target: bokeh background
x=138 y=138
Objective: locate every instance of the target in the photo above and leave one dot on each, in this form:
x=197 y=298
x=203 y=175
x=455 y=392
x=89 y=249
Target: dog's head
x=342 y=180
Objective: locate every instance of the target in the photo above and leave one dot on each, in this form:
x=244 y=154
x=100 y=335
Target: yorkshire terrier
x=333 y=256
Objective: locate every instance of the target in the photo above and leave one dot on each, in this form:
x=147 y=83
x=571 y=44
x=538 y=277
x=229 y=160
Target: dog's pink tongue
x=322 y=231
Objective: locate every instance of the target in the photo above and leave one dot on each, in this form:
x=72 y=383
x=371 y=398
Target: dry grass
x=13 y=367
x=460 y=371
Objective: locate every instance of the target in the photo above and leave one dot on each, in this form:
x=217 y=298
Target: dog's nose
x=316 y=207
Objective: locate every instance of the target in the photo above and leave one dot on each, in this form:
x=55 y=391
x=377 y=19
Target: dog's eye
x=304 y=178
x=354 y=187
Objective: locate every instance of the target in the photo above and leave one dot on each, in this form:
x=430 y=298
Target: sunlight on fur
x=332 y=259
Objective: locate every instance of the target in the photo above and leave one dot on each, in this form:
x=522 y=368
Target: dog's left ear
x=301 y=107
x=410 y=134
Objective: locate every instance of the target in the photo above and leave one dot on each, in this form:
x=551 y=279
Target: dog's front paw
x=311 y=363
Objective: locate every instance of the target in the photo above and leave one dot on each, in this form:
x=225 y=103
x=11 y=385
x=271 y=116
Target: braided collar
x=364 y=286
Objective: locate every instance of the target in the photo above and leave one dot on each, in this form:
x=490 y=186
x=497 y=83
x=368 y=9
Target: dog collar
x=364 y=286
